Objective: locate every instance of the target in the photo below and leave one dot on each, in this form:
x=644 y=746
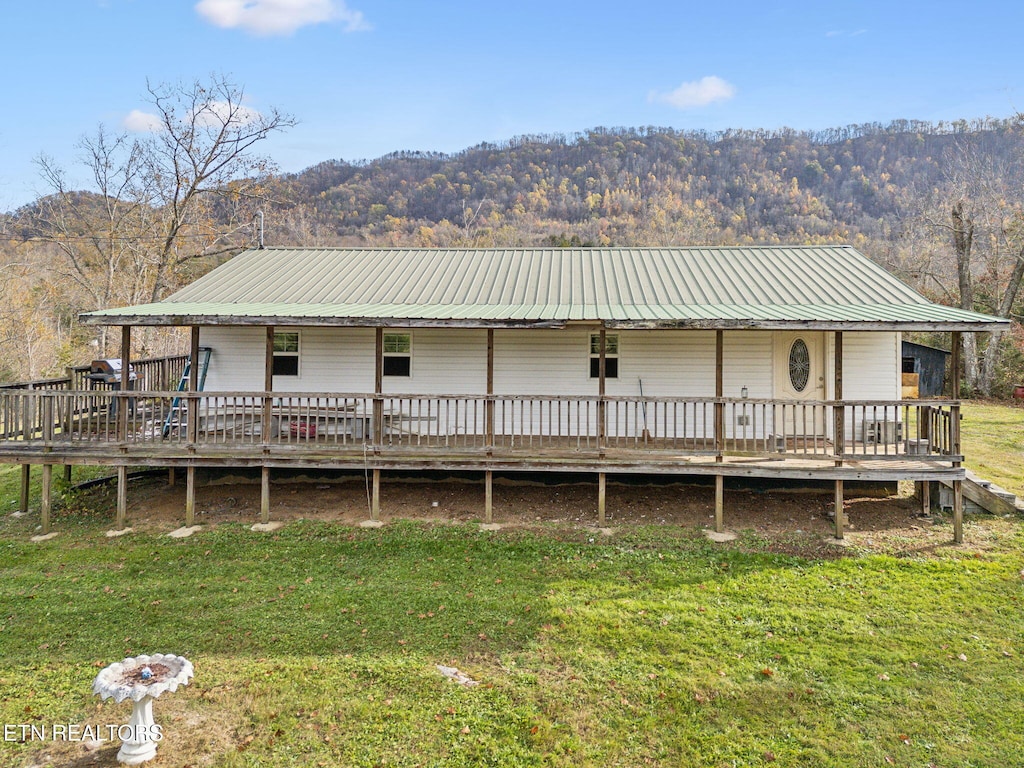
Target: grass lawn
x=317 y=645
x=992 y=436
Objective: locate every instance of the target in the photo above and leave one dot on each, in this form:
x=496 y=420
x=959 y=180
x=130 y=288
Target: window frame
x=396 y=354
x=287 y=354
x=612 y=350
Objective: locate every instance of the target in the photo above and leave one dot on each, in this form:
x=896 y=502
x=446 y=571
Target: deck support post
x=265 y=494
x=170 y=477
x=602 y=496
x=375 y=500
x=46 y=503
x=67 y=474
x=488 y=495
x=719 y=394
x=840 y=518
x=719 y=503
x=26 y=476
x=190 y=495
x=958 y=512
x=122 y=497
x=925 y=495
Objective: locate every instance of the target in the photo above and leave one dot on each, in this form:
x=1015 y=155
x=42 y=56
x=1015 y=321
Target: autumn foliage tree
x=161 y=207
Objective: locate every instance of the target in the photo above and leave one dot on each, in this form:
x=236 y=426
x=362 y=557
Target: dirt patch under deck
x=794 y=521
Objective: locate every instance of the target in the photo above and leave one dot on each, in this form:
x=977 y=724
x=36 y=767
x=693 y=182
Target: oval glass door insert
x=799 y=365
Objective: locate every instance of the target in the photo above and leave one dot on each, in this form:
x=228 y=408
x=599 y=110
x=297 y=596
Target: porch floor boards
x=467 y=452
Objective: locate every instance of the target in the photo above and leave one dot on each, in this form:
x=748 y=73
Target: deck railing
x=495 y=424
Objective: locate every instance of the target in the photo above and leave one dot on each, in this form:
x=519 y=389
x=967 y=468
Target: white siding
x=330 y=360
x=444 y=362
x=545 y=362
x=871 y=366
x=236 y=360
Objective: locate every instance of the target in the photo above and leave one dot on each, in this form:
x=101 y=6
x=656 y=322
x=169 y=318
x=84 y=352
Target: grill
x=109 y=372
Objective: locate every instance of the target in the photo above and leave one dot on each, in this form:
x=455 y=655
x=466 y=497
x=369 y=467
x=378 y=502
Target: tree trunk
x=963 y=240
x=994 y=349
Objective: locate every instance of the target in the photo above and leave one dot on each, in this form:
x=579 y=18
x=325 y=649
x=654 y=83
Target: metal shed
x=929 y=364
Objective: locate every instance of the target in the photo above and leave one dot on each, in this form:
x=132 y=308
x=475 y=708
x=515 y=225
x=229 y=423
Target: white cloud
x=698 y=93
x=138 y=121
x=217 y=113
x=280 y=17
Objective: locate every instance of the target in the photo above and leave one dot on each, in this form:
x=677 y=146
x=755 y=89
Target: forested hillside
x=911 y=195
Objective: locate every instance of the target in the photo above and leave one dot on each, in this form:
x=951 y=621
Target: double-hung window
x=286 y=353
x=397 y=354
x=611 y=355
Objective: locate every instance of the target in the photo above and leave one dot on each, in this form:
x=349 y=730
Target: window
x=397 y=354
x=611 y=356
x=286 y=353
x=799 y=365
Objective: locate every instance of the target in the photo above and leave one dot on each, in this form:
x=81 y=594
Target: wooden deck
x=718 y=437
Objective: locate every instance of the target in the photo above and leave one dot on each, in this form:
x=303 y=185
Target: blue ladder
x=177 y=407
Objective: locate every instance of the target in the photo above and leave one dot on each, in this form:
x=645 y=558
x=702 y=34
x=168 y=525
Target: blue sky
x=368 y=77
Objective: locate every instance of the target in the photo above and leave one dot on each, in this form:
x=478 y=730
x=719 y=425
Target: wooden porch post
x=126 y=361
x=489 y=404
x=839 y=412
x=719 y=394
x=26 y=477
x=192 y=414
x=602 y=496
x=193 y=368
x=122 y=496
x=958 y=512
x=46 y=503
x=601 y=361
x=268 y=415
x=268 y=384
x=954 y=363
x=839 y=431
x=926 y=497
x=378 y=388
x=958 y=497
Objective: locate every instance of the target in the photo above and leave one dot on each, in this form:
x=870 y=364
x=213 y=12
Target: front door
x=800 y=377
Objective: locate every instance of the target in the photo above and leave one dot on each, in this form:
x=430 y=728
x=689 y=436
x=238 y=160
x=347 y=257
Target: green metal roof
x=753 y=287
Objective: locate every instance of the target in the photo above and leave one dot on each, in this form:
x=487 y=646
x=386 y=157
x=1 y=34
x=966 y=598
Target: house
x=746 y=361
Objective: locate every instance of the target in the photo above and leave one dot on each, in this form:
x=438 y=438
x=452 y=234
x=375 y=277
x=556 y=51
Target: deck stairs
x=981 y=495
